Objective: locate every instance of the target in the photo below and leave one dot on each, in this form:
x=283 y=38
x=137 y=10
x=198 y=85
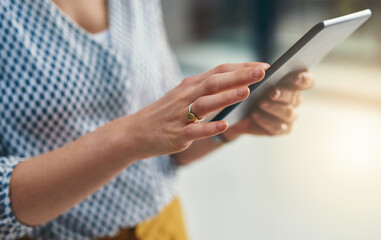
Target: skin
x=275 y=115
x=48 y=185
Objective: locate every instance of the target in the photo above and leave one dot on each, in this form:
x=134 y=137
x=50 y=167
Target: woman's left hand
x=274 y=115
x=276 y=112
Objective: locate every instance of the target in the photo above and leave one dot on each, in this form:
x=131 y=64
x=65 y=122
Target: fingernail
x=275 y=94
x=257 y=73
x=241 y=92
x=284 y=127
x=265 y=104
x=221 y=125
x=265 y=66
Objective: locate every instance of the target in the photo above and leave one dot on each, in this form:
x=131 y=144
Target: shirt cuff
x=10 y=227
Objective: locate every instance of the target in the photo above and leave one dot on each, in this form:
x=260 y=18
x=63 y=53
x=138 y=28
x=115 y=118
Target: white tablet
x=305 y=53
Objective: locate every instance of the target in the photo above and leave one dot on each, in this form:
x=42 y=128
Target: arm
x=274 y=116
x=48 y=185
x=45 y=186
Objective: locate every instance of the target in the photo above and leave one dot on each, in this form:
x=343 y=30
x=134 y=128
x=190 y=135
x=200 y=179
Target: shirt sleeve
x=10 y=227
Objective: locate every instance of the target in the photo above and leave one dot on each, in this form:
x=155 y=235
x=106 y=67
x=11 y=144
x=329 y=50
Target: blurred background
x=323 y=181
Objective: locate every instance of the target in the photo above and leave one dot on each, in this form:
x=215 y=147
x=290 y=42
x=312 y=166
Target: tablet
x=305 y=53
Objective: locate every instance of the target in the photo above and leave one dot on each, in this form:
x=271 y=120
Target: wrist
x=119 y=135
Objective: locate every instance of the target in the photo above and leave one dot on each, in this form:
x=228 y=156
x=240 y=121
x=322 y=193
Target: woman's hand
x=47 y=185
x=163 y=127
x=276 y=112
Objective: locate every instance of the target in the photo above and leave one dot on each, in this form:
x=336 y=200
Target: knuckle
x=275 y=93
x=180 y=94
x=264 y=104
x=188 y=81
x=210 y=85
x=243 y=75
x=288 y=96
x=225 y=67
x=289 y=113
x=308 y=80
x=182 y=145
x=237 y=95
x=296 y=99
x=256 y=116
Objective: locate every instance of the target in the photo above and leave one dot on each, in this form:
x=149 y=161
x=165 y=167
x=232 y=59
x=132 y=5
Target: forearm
x=48 y=185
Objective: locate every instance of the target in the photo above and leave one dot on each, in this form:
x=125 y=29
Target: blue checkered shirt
x=57 y=84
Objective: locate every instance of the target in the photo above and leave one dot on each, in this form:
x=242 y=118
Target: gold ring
x=192 y=117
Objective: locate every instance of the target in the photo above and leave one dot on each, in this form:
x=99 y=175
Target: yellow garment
x=168 y=225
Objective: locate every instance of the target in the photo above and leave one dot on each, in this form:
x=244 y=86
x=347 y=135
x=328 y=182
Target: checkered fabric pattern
x=57 y=84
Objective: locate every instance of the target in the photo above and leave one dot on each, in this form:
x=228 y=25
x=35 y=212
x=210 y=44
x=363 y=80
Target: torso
x=58 y=83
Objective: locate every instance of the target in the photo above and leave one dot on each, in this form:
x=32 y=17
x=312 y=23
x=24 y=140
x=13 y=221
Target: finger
x=207 y=104
x=304 y=81
x=230 y=80
x=196 y=131
x=282 y=111
x=230 y=67
x=299 y=100
x=271 y=124
x=285 y=95
x=248 y=126
x=300 y=80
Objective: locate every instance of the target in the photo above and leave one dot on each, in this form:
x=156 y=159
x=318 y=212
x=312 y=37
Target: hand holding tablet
x=305 y=53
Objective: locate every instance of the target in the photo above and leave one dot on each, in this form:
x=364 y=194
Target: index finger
x=226 y=81
x=230 y=67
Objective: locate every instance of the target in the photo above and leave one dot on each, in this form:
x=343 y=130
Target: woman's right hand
x=79 y=168
x=163 y=127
